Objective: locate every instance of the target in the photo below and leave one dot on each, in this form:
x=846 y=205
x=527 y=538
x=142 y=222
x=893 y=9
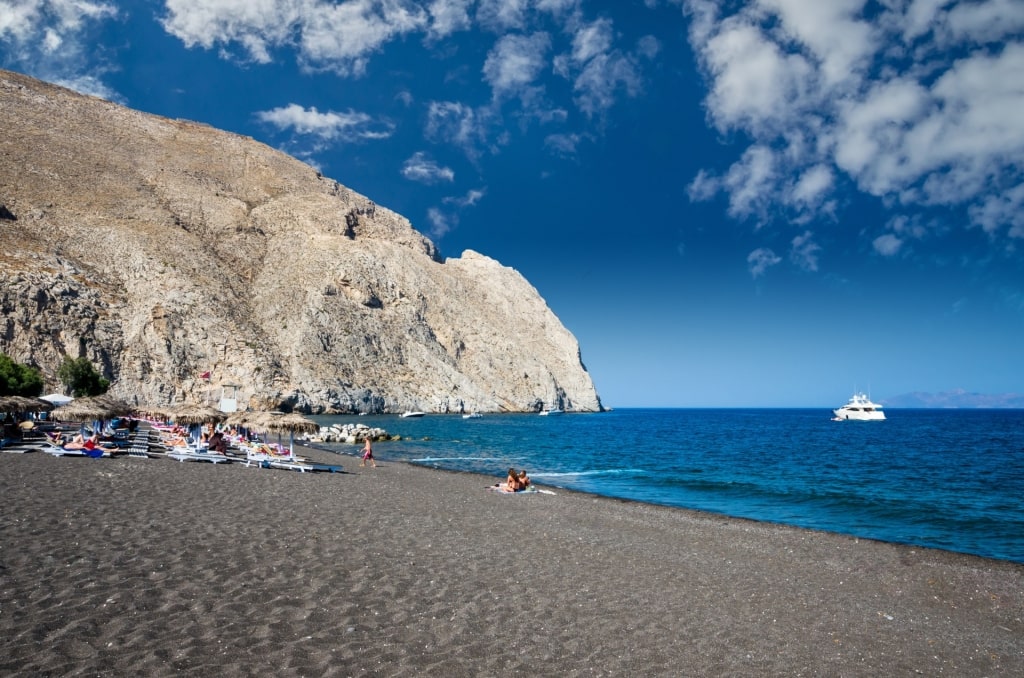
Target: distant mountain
x=957 y=399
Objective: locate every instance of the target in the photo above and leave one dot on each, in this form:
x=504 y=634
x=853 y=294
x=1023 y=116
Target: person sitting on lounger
x=218 y=443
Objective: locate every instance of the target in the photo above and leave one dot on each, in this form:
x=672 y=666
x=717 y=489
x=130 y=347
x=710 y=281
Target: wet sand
x=126 y=566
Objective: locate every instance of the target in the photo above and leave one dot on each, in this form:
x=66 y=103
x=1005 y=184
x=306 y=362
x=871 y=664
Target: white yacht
x=412 y=414
x=556 y=410
x=859 y=408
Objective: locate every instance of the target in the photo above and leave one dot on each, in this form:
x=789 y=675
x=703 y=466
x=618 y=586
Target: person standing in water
x=368 y=454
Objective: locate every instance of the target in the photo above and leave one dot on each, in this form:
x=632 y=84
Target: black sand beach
x=126 y=566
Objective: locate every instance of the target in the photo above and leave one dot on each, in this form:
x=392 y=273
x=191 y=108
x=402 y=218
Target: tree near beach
x=81 y=378
x=17 y=379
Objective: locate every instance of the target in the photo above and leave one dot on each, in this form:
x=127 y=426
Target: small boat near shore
x=545 y=413
x=408 y=415
x=859 y=408
x=472 y=415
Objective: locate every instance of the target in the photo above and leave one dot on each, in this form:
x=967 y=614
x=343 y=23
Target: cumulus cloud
x=502 y=15
x=887 y=245
x=449 y=16
x=916 y=103
x=49 y=39
x=515 y=62
x=426 y=171
x=332 y=36
x=597 y=70
x=329 y=127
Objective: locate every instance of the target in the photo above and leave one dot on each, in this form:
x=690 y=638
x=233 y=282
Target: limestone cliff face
x=161 y=249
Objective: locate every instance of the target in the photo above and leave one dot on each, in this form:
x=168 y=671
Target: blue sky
x=765 y=203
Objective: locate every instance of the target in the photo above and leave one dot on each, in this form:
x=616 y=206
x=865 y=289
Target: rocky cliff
x=163 y=249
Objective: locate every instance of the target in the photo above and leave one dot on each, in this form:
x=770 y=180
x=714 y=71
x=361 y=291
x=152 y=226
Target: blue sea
x=947 y=479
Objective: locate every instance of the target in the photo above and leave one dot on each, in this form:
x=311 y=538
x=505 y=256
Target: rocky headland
x=165 y=249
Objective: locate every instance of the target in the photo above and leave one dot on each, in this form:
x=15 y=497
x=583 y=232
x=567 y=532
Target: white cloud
x=330 y=126
x=503 y=15
x=258 y=25
x=999 y=210
x=804 y=252
x=458 y=124
x=440 y=222
x=563 y=144
x=599 y=71
x=755 y=83
x=814 y=183
x=986 y=21
x=426 y=171
x=49 y=39
x=840 y=43
x=887 y=244
x=341 y=37
x=751 y=183
x=592 y=40
x=917 y=103
x=328 y=35
x=515 y=62
x=449 y=16
x=443 y=221
x=471 y=198
x=760 y=260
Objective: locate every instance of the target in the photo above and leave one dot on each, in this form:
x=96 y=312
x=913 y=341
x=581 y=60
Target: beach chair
x=50 y=446
x=197 y=453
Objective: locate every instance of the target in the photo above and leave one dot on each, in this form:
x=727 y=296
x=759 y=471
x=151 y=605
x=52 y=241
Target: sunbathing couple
x=516 y=482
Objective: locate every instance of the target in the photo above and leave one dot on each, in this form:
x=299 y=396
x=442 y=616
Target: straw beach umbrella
x=96 y=407
x=274 y=422
x=18 y=404
x=153 y=411
x=292 y=423
x=193 y=414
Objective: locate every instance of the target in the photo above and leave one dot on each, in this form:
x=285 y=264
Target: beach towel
x=532 y=489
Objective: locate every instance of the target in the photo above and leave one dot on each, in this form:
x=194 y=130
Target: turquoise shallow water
x=948 y=479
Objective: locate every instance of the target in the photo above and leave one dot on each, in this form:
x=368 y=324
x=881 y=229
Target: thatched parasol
x=17 y=404
x=155 y=411
x=274 y=422
x=194 y=415
x=95 y=407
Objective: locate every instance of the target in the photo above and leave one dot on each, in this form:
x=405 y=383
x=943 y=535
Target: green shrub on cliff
x=81 y=378
x=18 y=379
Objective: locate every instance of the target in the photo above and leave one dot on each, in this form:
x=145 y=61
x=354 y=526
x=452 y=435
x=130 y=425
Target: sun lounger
x=267 y=456
x=183 y=453
x=56 y=450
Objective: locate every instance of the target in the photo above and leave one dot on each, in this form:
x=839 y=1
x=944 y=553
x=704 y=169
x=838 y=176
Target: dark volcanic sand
x=127 y=567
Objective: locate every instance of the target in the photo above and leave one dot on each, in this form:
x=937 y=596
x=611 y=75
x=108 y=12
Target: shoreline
x=307 y=445
x=133 y=566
